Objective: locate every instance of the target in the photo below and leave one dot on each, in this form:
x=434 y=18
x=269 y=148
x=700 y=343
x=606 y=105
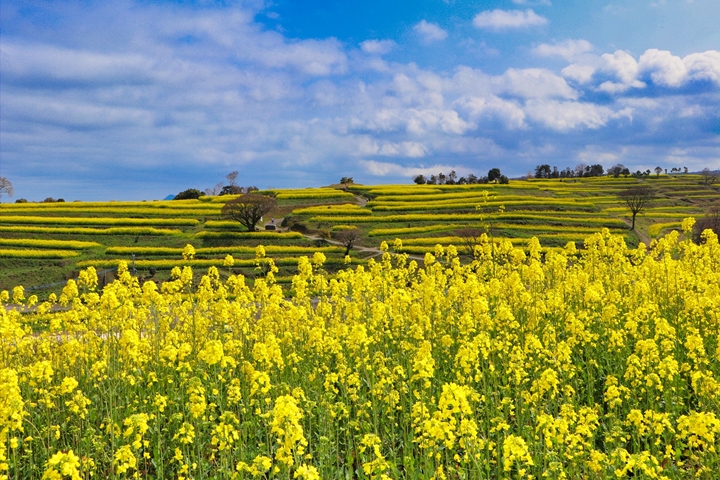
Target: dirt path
x=374 y=251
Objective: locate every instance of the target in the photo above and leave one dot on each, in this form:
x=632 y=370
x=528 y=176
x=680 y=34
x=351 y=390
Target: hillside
x=44 y=244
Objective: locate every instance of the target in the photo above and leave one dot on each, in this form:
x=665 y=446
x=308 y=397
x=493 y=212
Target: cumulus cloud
x=508 y=112
x=508 y=19
x=429 y=32
x=384 y=169
x=566 y=116
x=704 y=66
x=377 y=47
x=664 y=68
x=567 y=49
x=534 y=83
x=579 y=73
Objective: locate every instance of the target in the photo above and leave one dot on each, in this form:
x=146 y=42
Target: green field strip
x=97 y=221
x=250 y=235
x=470 y=217
x=56 y=244
x=332 y=210
x=242 y=250
x=479 y=206
x=39 y=254
x=89 y=231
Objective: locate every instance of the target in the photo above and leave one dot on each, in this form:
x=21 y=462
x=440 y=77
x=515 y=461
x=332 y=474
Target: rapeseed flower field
x=599 y=363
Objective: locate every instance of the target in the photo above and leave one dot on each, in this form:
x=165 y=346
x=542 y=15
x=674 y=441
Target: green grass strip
x=250 y=235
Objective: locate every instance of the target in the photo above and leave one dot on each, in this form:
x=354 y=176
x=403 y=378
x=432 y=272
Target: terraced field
x=45 y=244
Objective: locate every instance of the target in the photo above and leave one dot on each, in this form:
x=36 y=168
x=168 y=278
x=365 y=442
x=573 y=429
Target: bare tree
x=348 y=238
x=6 y=187
x=711 y=221
x=214 y=191
x=470 y=238
x=248 y=209
x=232 y=177
x=709 y=177
x=636 y=198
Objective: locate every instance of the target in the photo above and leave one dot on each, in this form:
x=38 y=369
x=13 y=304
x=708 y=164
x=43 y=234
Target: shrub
x=190 y=193
x=711 y=221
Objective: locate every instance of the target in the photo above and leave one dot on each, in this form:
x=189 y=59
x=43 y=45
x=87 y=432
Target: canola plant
x=600 y=363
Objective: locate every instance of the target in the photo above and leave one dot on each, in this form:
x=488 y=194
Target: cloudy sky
x=141 y=99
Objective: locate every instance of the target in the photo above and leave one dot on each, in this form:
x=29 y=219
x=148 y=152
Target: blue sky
x=140 y=99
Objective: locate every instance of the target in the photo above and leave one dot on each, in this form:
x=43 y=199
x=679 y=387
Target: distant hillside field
x=44 y=244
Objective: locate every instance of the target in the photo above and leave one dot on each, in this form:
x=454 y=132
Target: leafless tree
x=636 y=198
x=709 y=176
x=214 y=191
x=711 y=221
x=248 y=209
x=470 y=238
x=348 y=238
x=232 y=177
x=6 y=187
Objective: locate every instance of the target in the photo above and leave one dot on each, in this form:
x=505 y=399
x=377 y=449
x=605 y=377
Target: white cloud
x=665 y=69
x=567 y=49
x=546 y=3
x=429 y=32
x=507 y=19
x=509 y=113
x=384 y=169
x=533 y=83
x=566 y=116
x=377 y=47
x=579 y=73
x=704 y=66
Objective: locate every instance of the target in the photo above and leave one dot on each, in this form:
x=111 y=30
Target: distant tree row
x=582 y=170
x=232 y=188
x=493 y=176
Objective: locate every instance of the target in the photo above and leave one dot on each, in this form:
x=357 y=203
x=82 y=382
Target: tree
x=470 y=238
x=658 y=171
x=6 y=187
x=345 y=181
x=214 y=191
x=348 y=238
x=636 y=198
x=189 y=194
x=594 y=170
x=616 y=170
x=709 y=177
x=231 y=190
x=420 y=180
x=493 y=174
x=711 y=221
x=248 y=209
x=542 y=171
x=232 y=177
